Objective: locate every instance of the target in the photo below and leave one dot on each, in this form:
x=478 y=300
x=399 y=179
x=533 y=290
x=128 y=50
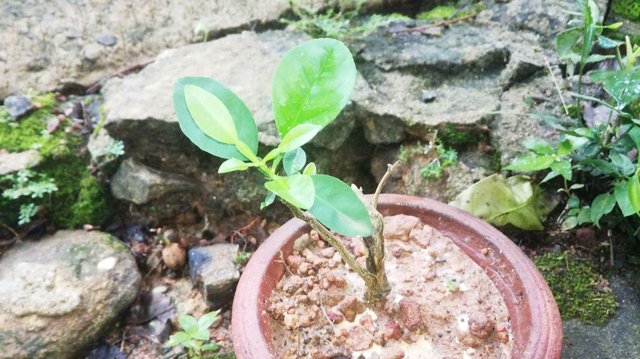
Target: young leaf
x=623 y=86
x=621 y=193
x=531 y=163
x=339 y=208
x=208 y=319
x=177 y=339
x=188 y=323
x=607 y=43
x=312 y=84
x=634 y=134
x=601 y=205
x=540 y=147
x=293 y=161
x=310 y=169
x=244 y=124
x=232 y=164
x=564 y=148
x=268 y=200
x=622 y=164
x=566 y=42
x=563 y=168
x=633 y=188
x=298 y=136
x=297 y=190
x=210 y=115
x=210 y=347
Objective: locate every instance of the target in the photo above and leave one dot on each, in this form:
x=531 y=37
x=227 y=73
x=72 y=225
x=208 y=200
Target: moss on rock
x=629 y=9
x=576 y=287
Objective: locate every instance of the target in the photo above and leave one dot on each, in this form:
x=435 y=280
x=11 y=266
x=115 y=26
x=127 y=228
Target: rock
x=410 y=314
x=174 y=256
x=59 y=295
x=43 y=63
x=214 y=273
x=16 y=161
x=17 y=105
x=106 y=40
x=359 y=339
x=393 y=352
x=399 y=226
x=140 y=184
x=101 y=148
x=350 y=307
x=481 y=326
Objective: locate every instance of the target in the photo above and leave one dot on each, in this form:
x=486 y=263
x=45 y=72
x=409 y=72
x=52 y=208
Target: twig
x=435 y=24
x=553 y=77
x=284 y=263
x=15 y=238
x=324 y=312
x=383 y=181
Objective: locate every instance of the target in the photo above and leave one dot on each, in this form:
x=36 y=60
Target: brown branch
x=15 y=238
x=435 y=24
x=383 y=181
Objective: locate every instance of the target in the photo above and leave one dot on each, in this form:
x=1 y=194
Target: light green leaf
x=177 y=339
x=584 y=216
x=607 y=43
x=597 y=58
x=242 y=118
x=564 y=148
x=232 y=164
x=210 y=114
x=202 y=334
x=210 y=347
x=531 y=163
x=622 y=164
x=293 y=161
x=297 y=190
x=563 y=168
x=188 y=323
x=538 y=146
x=339 y=208
x=566 y=42
x=623 y=86
x=514 y=200
x=206 y=320
x=621 y=193
x=569 y=223
x=312 y=84
x=268 y=200
x=298 y=136
x=633 y=188
x=601 y=205
x=310 y=169
x=634 y=134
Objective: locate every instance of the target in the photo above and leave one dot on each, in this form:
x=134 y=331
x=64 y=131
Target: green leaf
x=623 y=86
x=566 y=42
x=297 y=190
x=622 y=164
x=310 y=169
x=607 y=43
x=563 y=168
x=531 y=163
x=298 y=136
x=232 y=164
x=601 y=205
x=312 y=84
x=589 y=30
x=177 y=339
x=338 y=207
x=569 y=222
x=500 y=201
x=293 y=161
x=597 y=58
x=210 y=347
x=621 y=193
x=210 y=115
x=540 y=147
x=633 y=188
x=188 y=323
x=242 y=119
x=584 y=216
x=564 y=148
x=202 y=334
x=206 y=320
x=268 y=200
x=634 y=134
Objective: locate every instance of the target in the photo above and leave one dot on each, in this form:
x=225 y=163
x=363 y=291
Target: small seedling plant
x=195 y=335
x=596 y=157
x=312 y=84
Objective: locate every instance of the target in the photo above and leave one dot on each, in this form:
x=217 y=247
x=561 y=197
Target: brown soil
x=441 y=303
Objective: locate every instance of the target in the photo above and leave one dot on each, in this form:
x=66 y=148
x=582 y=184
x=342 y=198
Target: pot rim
x=534 y=316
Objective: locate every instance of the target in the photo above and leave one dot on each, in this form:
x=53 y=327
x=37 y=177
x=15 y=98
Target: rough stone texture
x=619 y=337
x=47 y=44
x=514 y=122
x=98 y=147
x=214 y=273
x=17 y=105
x=16 y=161
x=140 y=184
x=58 y=295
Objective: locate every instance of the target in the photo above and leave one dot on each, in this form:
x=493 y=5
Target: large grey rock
x=45 y=44
x=140 y=184
x=214 y=273
x=59 y=294
x=17 y=105
x=16 y=161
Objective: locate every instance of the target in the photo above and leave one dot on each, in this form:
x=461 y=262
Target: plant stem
x=375 y=289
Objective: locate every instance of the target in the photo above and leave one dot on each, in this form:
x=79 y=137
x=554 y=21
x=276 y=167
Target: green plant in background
x=195 y=336
x=341 y=22
x=242 y=258
x=444 y=158
x=595 y=158
x=312 y=84
x=30 y=185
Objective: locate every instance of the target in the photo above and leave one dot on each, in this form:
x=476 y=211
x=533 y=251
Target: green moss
x=629 y=9
x=442 y=12
x=30 y=132
x=574 y=286
x=113 y=242
x=91 y=204
x=450 y=136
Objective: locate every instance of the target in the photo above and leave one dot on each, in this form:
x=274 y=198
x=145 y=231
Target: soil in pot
x=441 y=303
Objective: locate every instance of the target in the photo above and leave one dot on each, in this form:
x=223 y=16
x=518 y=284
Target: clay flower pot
x=534 y=316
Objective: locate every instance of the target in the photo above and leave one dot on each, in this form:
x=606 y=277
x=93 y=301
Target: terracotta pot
x=535 y=320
